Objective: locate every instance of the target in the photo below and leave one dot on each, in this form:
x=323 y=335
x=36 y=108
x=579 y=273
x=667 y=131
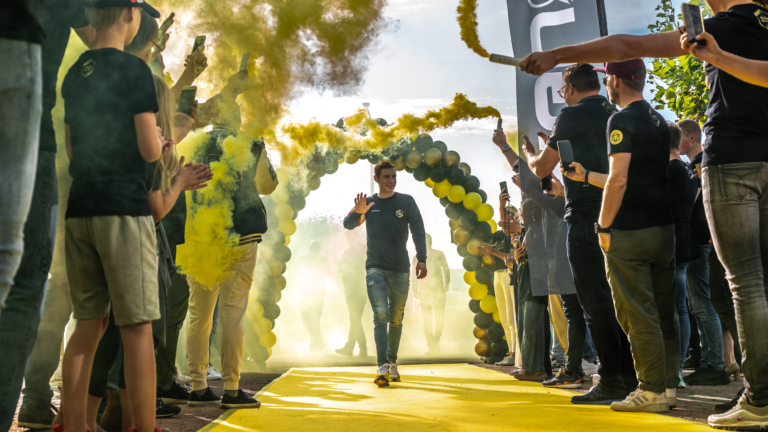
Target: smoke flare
x=467 y=19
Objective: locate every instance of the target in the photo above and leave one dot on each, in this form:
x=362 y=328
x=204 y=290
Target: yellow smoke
x=467 y=19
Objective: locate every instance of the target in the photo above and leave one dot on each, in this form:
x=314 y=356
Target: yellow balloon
x=282 y=176
x=497 y=317
x=284 y=211
x=262 y=325
x=472 y=200
x=492 y=223
x=456 y=194
x=269 y=352
x=278 y=296
x=429 y=183
x=341 y=161
x=461 y=235
x=413 y=159
x=441 y=189
x=472 y=246
x=287 y=240
x=255 y=310
x=433 y=157
x=268 y=339
x=453 y=223
x=469 y=278
x=484 y=212
x=281 y=194
x=488 y=304
x=280 y=283
x=287 y=227
x=351 y=158
x=478 y=291
x=314 y=183
x=399 y=163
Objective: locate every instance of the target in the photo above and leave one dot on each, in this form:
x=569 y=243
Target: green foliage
x=681 y=82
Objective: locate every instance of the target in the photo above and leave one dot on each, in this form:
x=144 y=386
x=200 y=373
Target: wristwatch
x=505 y=148
x=601 y=230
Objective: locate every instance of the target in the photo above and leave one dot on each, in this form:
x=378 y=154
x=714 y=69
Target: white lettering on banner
x=548 y=19
x=550 y=80
x=547 y=3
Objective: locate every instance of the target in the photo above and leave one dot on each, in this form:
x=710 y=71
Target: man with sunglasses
x=583 y=123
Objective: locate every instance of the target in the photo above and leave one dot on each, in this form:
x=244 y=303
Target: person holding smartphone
x=583 y=123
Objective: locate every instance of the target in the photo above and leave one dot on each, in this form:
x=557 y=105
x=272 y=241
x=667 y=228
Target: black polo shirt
x=584 y=126
x=736 y=127
x=642 y=132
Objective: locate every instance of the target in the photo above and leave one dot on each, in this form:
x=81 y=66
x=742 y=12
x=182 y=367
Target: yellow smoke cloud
x=467 y=19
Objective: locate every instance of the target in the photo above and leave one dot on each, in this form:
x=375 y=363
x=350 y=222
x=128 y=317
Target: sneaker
x=208 y=398
x=242 y=400
x=694 y=374
x=741 y=417
x=709 y=376
x=394 y=375
x=382 y=376
x=681 y=384
x=564 y=380
x=175 y=395
x=598 y=395
x=213 y=374
x=182 y=379
x=532 y=376
x=643 y=401
x=163 y=410
x=723 y=407
x=508 y=361
x=36 y=418
x=346 y=352
x=672 y=398
x=557 y=363
x=589 y=368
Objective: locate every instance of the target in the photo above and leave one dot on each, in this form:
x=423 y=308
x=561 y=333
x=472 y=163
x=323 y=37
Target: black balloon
x=438 y=174
x=375 y=158
x=455 y=176
x=440 y=146
x=408 y=169
x=422 y=172
x=483 y=275
x=468 y=220
x=474 y=306
x=260 y=352
x=462 y=250
x=472 y=263
x=483 y=231
x=499 y=349
x=456 y=210
x=297 y=202
x=484 y=320
x=444 y=201
x=495 y=332
x=423 y=142
x=471 y=184
x=483 y=195
x=282 y=253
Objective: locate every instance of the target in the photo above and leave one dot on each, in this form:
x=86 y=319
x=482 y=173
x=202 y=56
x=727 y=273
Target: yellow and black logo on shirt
x=616 y=137
x=88 y=68
x=399 y=213
x=762 y=18
x=610 y=108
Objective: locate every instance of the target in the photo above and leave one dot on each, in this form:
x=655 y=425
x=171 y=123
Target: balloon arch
x=471 y=223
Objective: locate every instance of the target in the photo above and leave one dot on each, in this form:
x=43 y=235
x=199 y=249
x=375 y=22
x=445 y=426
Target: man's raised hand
x=360 y=206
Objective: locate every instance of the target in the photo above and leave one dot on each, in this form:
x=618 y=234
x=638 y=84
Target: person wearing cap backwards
x=636 y=232
x=735 y=167
x=111 y=136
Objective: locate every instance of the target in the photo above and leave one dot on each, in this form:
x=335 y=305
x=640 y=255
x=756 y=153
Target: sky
x=420 y=66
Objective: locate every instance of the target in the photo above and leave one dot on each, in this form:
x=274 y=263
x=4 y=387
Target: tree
x=680 y=83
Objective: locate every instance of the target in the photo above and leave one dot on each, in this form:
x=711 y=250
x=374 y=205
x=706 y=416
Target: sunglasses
x=561 y=92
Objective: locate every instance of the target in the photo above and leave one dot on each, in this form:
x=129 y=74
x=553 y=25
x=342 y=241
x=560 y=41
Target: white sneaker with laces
x=643 y=401
x=588 y=368
x=672 y=398
x=394 y=376
x=741 y=417
x=213 y=374
x=382 y=376
x=508 y=361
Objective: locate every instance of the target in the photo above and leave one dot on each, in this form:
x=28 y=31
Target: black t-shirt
x=20 y=20
x=698 y=216
x=102 y=92
x=736 y=127
x=641 y=131
x=682 y=190
x=59 y=16
x=584 y=126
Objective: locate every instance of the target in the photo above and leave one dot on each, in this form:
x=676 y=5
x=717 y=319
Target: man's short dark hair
x=582 y=77
x=677 y=134
x=634 y=85
x=385 y=164
x=691 y=127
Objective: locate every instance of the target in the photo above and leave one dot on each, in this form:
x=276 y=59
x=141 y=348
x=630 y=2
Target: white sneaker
x=508 y=361
x=213 y=374
x=382 y=376
x=588 y=368
x=394 y=376
x=741 y=417
x=672 y=398
x=643 y=401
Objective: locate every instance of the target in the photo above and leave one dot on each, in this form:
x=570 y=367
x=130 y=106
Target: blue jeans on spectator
x=589 y=348
x=21 y=316
x=557 y=349
x=707 y=320
x=736 y=203
x=387 y=292
x=682 y=311
x=21 y=106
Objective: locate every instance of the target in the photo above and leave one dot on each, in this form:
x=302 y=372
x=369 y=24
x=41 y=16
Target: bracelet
x=586 y=179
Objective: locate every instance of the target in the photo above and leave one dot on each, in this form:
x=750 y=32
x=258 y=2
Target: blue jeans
x=589 y=348
x=21 y=106
x=22 y=313
x=387 y=292
x=682 y=311
x=707 y=320
x=736 y=202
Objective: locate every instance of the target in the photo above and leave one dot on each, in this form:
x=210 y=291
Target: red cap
x=631 y=69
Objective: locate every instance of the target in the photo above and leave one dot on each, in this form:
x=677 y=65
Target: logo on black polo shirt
x=762 y=18
x=88 y=68
x=654 y=118
x=616 y=137
x=609 y=107
x=399 y=213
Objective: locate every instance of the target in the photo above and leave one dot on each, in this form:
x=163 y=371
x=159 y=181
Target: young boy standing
x=111 y=135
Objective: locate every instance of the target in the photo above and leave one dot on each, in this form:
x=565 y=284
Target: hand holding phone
x=186 y=100
x=199 y=41
x=566 y=155
x=694 y=23
x=498 y=124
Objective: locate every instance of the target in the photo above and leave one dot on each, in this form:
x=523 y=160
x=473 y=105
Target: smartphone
x=546 y=183
x=694 y=23
x=199 y=41
x=186 y=99
x=503 y=186
x=502 y=59
x=498 y=124
x=566 y=155
x=244 y=62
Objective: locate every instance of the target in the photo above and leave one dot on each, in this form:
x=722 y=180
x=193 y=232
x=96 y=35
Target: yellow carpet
x=456 y=397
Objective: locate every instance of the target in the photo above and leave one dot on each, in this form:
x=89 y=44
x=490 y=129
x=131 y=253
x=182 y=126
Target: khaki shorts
x=113 y=259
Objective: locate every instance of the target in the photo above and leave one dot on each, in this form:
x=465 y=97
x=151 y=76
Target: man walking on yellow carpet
x=389 y=216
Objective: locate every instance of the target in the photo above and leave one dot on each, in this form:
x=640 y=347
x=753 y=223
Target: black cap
x=101 y=4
